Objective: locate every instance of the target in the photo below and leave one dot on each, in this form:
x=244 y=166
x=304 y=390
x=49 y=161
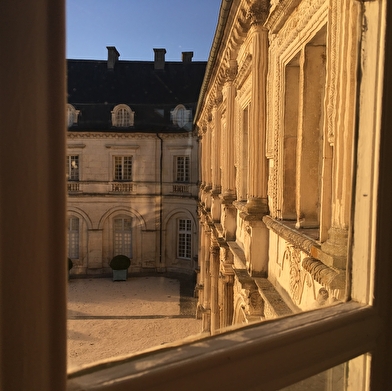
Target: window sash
x=46 y=294
x=262 y=354
x=122 y=237
x=182 y=169
x=123 y=119
x=73 y=167
x=184 y=238
x=123 y=168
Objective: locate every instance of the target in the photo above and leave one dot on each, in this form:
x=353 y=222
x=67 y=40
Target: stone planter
x=120 y=275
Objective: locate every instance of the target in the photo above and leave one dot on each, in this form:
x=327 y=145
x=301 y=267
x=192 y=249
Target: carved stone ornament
x=296 y=282
x=255 y=303
x=258 y=12
x=231 y=72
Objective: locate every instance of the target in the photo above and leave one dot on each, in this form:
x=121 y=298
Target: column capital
x=231 y=71
x=258 y=12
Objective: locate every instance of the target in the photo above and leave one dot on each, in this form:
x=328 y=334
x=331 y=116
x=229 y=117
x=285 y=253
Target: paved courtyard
x=108 y=319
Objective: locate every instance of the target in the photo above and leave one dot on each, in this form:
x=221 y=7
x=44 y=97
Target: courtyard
x=109 y=319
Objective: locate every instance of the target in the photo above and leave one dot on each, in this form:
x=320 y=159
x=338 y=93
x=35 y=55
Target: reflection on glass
x=336 y=378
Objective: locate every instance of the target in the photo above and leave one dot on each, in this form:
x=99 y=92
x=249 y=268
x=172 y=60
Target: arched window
x=122 y=236
x=72 y=115
x=184 y=242
x=181 y=117
x=122 y=116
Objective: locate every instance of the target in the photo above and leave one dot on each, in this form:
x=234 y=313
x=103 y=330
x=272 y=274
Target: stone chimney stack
x=159 y=58
x=113 y=56
x=187 y=56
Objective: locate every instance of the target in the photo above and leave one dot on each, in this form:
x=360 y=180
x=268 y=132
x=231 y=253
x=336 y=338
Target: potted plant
x=120 y=265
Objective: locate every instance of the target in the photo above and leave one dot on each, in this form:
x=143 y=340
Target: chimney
x=187 y=56
x=113 y=56
x=159 y=59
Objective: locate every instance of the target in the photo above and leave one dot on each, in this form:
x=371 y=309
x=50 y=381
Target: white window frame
x=73 y=168
x=72 y=115
x=184 y=238
x=124 y=175
x=181 y=116
x=275 y=354
x=182 y=169
x=122 y=116
x=122 y=238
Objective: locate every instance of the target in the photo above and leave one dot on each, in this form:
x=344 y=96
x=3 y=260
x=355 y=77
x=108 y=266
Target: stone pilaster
x=341 y=97
x=227 y=281
x=228 y=185
x=206 y=308
x=214 y=269
x=258 y=169
x=216 y=156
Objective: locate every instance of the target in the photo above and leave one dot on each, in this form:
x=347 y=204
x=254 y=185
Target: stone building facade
x=132 y=163
x=276 y=119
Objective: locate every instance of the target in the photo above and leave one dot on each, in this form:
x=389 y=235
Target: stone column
x=258 y=167
x=214 y=268
x=215 y=155
x=226 y=286
x=201 y=279
x=340 y=97
x=207 y=164
x=206 y=314
x=228 y=189
x=228 y=300
x=257 y=202
x=229 y=212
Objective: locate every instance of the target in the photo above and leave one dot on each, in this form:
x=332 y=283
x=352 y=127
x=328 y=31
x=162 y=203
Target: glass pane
x=348 y=376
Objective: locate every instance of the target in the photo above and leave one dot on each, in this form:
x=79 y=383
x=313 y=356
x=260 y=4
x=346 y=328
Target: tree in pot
x=120 y=265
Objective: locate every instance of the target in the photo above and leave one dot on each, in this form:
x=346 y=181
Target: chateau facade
x=132 y=163
x=276 y=118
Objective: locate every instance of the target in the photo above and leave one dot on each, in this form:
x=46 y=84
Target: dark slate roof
x=95 y=90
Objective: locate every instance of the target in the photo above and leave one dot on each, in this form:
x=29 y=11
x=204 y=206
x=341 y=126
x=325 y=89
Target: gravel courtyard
x=108 y=319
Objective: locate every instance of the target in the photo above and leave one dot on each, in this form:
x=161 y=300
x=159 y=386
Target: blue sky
x=135 y=27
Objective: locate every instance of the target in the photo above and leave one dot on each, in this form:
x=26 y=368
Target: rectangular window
x=72 y=167
x=123 y=168
x=123 y=236
x=184 y=238
x=182 y=168
x=73 y=238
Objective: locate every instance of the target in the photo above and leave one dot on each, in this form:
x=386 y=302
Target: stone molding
x=323 y=274
x=117 y=135
x=278 y=16
x=298 y=239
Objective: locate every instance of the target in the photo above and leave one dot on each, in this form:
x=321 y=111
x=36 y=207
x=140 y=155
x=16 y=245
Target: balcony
x=73 y=186
x=122 y=187
x=181 y=188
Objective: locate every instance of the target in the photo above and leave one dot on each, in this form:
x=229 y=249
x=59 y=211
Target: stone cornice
x=115 y=135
